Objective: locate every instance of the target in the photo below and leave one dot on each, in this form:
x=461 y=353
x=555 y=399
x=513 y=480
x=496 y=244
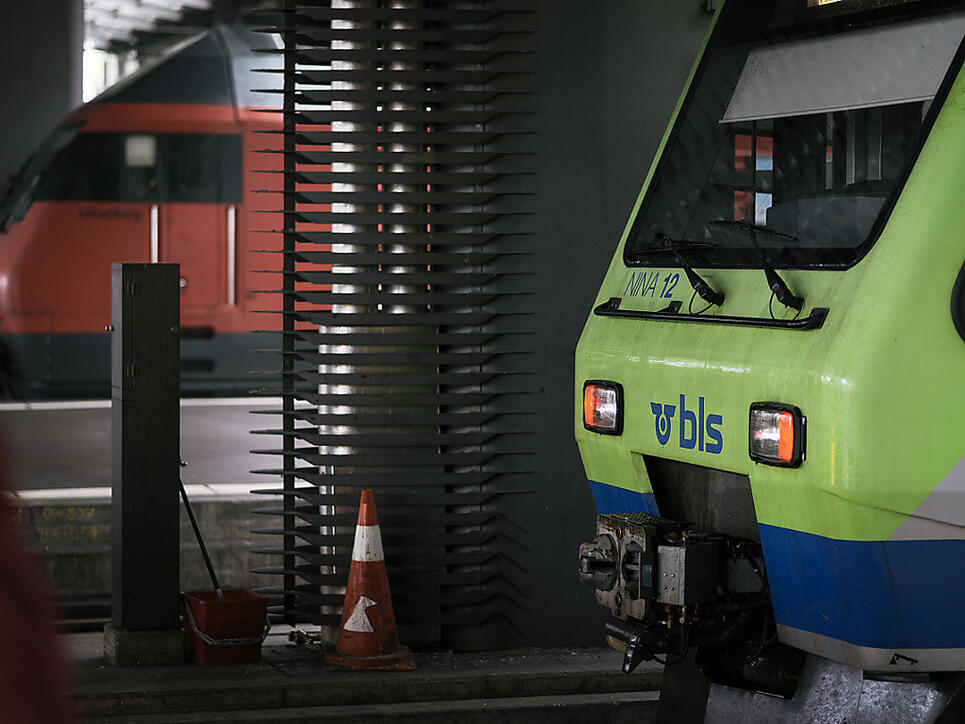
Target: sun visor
x=859 y=69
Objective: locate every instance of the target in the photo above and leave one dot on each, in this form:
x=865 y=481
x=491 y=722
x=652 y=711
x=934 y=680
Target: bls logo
x=695 y=429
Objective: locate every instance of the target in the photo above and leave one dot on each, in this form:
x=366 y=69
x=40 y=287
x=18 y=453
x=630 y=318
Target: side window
x=190 y=168
x=230 y=169
x=201 y=168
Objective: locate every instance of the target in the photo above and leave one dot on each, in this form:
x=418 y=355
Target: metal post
x=346 y=127
x=145 y=391
x=288 y=309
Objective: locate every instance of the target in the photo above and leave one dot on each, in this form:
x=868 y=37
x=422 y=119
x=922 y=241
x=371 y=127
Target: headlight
x=777 y=434
x=603 y=407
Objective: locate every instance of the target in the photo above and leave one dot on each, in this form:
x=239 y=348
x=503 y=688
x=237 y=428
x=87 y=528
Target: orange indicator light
x=785 y=444
x=777 y=434
x=589 y=404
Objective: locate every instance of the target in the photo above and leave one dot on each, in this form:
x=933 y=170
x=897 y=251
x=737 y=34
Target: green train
x=770 y=387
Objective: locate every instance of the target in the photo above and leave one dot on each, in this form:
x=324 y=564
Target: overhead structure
x=147 y=28
x=114 y=24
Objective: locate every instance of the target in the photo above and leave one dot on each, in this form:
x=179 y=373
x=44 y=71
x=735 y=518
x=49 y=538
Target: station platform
x=67 y=444
x=291 y=684
x=57 y=459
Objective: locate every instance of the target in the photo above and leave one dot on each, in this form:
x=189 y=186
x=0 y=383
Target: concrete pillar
x=41 y=54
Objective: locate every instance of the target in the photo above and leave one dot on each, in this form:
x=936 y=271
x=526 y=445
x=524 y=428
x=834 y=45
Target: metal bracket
x=642 y=645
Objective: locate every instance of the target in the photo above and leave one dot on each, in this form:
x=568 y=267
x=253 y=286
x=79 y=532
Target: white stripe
x=65 y=494
x=941 y=516
x=99 y=404
x=194 y=490
x=870 y=658
x=155 y=234
x=72 y=405
x=230 y=401
x=368 y=544
x=232 y=252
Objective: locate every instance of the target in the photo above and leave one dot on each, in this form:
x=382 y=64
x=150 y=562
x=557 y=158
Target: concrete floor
x=68 y=444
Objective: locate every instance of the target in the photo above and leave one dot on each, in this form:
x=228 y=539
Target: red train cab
x=161 y=167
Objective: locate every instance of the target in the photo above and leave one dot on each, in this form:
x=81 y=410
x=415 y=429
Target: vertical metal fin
x=407 y=154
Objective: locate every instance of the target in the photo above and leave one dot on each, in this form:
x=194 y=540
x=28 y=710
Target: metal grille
x=404 y=317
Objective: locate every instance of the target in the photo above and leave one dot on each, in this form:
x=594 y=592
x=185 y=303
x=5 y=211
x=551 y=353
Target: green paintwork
x=882 y=384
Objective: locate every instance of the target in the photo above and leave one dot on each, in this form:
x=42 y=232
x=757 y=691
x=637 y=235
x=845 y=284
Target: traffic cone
x=367 y=637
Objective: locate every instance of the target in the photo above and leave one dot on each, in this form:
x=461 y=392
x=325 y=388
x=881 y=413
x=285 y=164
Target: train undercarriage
x=694 y=597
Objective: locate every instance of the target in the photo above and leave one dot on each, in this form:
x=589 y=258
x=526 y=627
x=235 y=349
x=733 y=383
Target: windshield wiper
x=664 y=243
x=774 y=281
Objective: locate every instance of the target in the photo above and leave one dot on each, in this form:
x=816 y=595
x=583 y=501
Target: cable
x=765 y=640
x=770 y=308
x=690 y=307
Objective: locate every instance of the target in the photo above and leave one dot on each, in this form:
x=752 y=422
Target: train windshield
x=147 y=167
x=163 y=167
x=20 y=189
x=802 y=120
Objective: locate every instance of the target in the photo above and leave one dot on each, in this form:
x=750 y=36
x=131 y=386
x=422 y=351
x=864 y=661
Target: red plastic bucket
x=228 y=631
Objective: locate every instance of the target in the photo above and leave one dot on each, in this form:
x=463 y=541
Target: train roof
x=216 y=67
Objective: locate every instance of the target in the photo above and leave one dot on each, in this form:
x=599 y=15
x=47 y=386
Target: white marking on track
x=359 y=620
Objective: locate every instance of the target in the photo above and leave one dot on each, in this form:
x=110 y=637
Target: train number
x=647 y=284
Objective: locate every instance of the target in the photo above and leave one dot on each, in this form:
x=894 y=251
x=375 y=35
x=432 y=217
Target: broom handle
x=197 y=534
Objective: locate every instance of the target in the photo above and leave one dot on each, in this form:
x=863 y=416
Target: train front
x=769 y=388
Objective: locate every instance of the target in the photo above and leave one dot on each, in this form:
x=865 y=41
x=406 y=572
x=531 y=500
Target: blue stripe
x=611 y=499
x=883 y=594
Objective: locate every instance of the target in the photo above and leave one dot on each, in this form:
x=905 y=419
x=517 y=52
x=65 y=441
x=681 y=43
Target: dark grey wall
x=610 y=73
x=41 y=49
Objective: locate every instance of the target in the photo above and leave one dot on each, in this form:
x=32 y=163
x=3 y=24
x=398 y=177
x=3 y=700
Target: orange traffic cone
x=367 y=637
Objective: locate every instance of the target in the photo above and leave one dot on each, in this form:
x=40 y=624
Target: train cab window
x=798 y=130
x=91 y=168
x=18 y=191
x=155 y=168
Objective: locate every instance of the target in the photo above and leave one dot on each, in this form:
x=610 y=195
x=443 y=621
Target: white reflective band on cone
x=368 y=544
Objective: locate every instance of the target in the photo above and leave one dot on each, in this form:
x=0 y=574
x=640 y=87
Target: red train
x=161 y=168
